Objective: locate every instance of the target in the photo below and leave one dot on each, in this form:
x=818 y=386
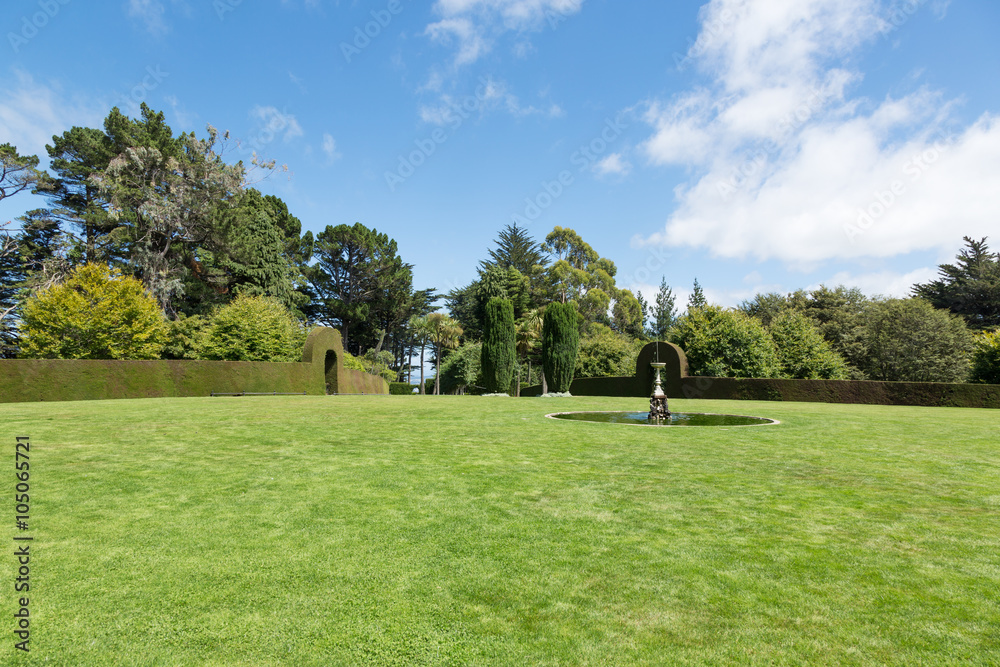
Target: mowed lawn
x=467 y=530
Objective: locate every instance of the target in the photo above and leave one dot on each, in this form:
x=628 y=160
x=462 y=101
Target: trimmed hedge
x=402 y=388
x=678 y=384
x=23 y=380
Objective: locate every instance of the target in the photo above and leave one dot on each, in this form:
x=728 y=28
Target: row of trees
x=941 y=334
x=169 y=212
x=172 y=213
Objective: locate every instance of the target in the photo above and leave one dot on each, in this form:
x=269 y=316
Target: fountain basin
x=675 y=419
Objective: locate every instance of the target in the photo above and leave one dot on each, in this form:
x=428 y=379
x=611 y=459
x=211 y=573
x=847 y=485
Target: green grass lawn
x=465 y=530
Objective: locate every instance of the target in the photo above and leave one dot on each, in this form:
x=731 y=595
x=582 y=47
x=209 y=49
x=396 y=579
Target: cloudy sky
x=755 y=145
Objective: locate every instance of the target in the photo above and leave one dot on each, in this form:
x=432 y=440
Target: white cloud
x=613 y=164
x=31 y=113
x=489 y=95
x=883 y=283
x=473 y=25
x=273 y=121
x=150 y=12
x=330 y=148
x=788 y=167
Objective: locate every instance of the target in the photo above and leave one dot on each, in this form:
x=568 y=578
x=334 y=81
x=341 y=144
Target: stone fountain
x=658 y=410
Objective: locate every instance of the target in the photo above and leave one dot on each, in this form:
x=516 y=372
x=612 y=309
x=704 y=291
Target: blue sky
x=757 y=145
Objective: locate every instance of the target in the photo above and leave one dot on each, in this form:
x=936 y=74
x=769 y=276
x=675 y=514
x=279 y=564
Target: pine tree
x=560 y=345
x=664 y=312
x=697 y=298
x=970 y=287
x=499 y=353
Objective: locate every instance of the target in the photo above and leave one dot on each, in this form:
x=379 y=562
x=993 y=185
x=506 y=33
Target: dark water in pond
x=676 y=419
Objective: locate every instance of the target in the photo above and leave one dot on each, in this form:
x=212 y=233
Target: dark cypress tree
x=499 y=353
x=560 y=344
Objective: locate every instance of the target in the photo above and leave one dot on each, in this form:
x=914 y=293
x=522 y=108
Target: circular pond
x=676 y=419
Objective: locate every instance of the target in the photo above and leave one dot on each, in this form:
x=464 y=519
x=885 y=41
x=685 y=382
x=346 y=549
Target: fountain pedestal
x=658 y=410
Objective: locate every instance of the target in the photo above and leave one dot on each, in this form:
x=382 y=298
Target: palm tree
x=529 y=329
x=421 y=331
x=444 y=333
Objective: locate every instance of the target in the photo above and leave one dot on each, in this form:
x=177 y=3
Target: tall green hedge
x=560 y=344
x=499 y=355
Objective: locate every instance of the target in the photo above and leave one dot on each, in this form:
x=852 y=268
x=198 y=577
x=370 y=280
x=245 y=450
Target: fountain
x=671 y=372
x=658 y=410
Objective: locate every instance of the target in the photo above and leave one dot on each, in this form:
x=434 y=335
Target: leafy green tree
x=664 y=311
x=627 y=315
x=17 y=172
x=986 y=358
x=516 y=249
x=77 y=156
x=164 y=194
x=579 y=274
x=29 y=260
x=359 y=284
x=803 y=354
x=908 y=340
x=445 y=333
x=726 y=343
x=499 y=355
x=645 y=310
x=461 y=369
x=560 y=345
x=186 y=337
x=258 y=261
x=420 y=328
x=605 y=353
x=529 y=331
x=970 y=287
x=254 y=328
x=839 y=314
x=697 y=298
x=94 y=314
x=766 y=307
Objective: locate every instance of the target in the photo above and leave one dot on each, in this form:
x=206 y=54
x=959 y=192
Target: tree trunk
x=437 y=371
x=545 y=385
x=422 y=369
